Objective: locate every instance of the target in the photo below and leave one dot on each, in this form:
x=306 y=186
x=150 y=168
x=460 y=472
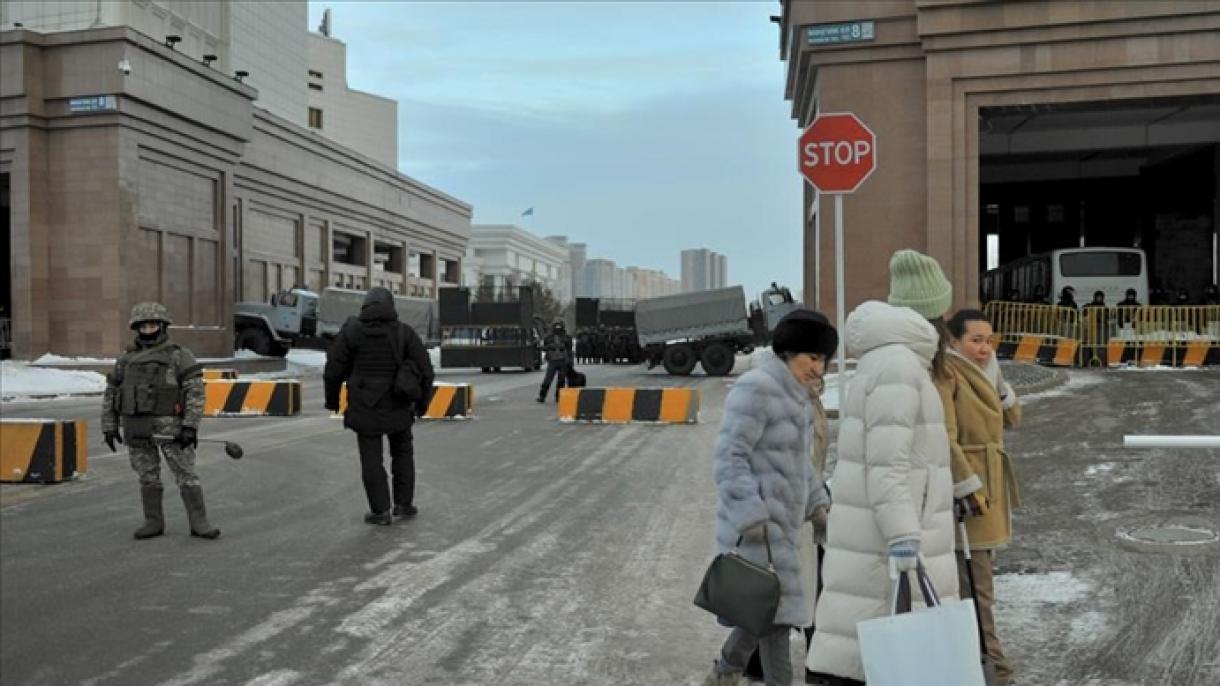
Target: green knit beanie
x=917 y=282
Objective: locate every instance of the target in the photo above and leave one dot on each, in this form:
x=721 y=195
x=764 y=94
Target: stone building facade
x=967 y=94
x=135 y=172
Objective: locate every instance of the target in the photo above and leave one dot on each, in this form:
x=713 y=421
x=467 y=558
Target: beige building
x=133 y=171
x=362 y=121
x=1023 y=126
x=501 y=256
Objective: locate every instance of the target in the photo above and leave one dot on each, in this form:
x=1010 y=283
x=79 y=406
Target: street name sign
x=843 y=32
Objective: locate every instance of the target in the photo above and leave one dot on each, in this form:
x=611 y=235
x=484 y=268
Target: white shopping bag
x=939 y=645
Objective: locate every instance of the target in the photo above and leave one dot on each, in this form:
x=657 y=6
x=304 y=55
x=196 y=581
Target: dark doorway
x=1128 y=173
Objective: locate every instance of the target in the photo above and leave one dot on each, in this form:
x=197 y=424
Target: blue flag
x=528 y=213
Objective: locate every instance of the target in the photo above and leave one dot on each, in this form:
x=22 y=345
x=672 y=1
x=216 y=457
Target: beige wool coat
x=975 y=417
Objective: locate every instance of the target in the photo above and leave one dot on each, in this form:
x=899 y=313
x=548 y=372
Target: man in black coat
x=368 y=354
x=558 y=349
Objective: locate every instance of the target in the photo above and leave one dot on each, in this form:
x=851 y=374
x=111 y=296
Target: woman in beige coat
x=978 y=403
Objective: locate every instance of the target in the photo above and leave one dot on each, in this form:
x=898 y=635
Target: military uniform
x=558 y=347
x=155 y=395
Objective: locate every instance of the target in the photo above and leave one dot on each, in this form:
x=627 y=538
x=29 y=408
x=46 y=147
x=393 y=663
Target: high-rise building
x=703 y=269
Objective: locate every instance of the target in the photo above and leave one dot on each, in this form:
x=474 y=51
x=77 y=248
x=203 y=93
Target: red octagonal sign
x=837 y=153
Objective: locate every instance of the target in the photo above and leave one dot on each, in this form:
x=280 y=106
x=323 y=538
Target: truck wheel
x=718 y=359
x=279 y=350
x=679 y=360
x=254 y=339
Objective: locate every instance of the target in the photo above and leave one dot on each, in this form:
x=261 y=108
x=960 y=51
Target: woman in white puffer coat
x=893 y=488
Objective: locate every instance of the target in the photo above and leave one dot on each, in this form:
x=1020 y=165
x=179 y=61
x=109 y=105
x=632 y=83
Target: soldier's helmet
x=558 y=325
x=149 y=312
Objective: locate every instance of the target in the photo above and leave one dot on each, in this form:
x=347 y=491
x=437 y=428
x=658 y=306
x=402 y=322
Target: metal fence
x=1107 y=336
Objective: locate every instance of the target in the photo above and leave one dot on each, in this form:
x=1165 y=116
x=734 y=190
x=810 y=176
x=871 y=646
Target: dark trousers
x=553 y=368
x=372 y=469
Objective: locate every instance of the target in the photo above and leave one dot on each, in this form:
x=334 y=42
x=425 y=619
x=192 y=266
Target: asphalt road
x=550 y=553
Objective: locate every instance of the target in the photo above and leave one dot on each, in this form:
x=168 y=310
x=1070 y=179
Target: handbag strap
x=902 y=590
x=766 y=542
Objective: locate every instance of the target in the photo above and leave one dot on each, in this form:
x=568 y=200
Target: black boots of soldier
x=192 y=497
x=154 y=518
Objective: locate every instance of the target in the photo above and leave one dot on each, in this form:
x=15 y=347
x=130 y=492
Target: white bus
x=1041 y=277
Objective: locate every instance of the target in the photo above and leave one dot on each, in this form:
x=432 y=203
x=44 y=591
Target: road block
x=449 y=401
x=261 y=398
x=624 y=405
x=219 y=374
x=42 y=450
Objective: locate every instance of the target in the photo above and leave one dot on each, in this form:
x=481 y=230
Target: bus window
x=1099 y=264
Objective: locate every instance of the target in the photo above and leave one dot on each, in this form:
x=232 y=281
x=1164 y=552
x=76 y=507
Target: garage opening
x=1141 y=174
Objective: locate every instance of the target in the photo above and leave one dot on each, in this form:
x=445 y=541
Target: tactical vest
x=150 y=384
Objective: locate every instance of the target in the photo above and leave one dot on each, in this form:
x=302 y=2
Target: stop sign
x=837 y=153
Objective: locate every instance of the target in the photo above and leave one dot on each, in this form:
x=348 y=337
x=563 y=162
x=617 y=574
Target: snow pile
x=21 y=380
x=51 y=360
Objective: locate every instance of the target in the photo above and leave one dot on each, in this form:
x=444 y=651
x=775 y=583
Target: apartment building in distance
x=703 y=269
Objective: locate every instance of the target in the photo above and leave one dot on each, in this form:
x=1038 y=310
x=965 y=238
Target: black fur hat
x=805 y=331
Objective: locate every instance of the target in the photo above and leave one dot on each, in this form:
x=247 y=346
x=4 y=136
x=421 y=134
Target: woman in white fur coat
x=765 y=481
x=892 y=484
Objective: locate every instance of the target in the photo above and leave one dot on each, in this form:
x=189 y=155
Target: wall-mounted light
x=172 y=40
x=124 y=67
x=241 y=74
x=208 y=60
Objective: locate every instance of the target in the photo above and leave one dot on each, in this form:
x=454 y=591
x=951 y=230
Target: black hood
x=378 y=306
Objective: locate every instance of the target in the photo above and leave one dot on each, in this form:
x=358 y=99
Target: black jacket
x=363 y=356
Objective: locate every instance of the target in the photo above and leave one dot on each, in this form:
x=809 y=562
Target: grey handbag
x=742 y=593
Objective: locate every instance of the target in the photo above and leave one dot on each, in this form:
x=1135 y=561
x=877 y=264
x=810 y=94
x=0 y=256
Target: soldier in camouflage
x=155 y=391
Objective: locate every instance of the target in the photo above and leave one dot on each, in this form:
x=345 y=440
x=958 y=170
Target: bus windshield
x=1099 y=264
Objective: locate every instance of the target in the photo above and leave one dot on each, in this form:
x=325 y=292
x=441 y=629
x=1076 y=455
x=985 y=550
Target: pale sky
x=640 y=128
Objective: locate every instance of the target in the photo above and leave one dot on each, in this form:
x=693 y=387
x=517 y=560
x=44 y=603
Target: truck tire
x=279 y=349
x=254 y=339
x=718 y=359
x=679 y=360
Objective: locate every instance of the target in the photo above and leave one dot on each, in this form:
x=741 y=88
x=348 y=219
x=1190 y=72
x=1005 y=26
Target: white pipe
x=1171 y=441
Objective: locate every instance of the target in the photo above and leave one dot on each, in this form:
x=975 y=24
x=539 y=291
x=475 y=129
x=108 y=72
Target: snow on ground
x=49 y=359
x=1077 y=379
x=19 y=380
x=1024 y=601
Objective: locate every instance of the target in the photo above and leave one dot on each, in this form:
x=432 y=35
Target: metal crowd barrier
x=1147 y=336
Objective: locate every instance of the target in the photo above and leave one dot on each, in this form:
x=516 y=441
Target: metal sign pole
x=839 y=295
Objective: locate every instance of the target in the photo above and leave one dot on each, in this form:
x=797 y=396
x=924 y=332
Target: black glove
x=187 y=438
x=110 y=438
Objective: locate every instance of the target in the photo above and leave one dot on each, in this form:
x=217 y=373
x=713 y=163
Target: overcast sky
x=640 y=128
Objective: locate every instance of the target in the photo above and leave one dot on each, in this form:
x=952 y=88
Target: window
x=315 y=74
x=315 y=118
x=315 y=86
x=1100 y=264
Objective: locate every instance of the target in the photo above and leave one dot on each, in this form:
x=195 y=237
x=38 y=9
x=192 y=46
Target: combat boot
x=718 y=678
x=192 y=497
x=154 y=517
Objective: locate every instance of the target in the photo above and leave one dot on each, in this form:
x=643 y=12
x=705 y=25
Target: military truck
x=708 y=327
x=303 y=318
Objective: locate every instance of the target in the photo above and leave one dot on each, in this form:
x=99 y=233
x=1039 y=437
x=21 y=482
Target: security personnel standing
x=154 y=393
x=558 y=349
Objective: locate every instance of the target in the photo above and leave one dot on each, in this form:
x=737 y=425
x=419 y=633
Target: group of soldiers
x=608 y=345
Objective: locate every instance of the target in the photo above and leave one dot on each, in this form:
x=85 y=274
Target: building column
x=369 y=251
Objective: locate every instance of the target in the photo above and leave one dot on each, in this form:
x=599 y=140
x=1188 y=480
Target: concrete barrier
x=449 y=401
x=219 y=374
x=270 y=398
x=42 y=450
x=624 y=405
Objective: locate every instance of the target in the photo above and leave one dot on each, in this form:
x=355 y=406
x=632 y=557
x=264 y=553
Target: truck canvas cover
x=337 y=304
x=717 y=312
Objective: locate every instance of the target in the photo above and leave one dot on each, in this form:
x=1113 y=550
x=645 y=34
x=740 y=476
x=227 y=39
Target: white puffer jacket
x=892 y=480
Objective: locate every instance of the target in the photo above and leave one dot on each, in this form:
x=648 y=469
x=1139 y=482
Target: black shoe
x=541 y=399
x=381 y=519
x=405 y=511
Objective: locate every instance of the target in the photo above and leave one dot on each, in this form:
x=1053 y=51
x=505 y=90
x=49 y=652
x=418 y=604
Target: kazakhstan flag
x=528 y=213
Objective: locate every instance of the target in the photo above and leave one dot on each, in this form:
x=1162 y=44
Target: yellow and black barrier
x=623 y=405
x=1171 y=336
x=449 y=401
x=42 y=450
x=219 y=374
x=263 y=398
